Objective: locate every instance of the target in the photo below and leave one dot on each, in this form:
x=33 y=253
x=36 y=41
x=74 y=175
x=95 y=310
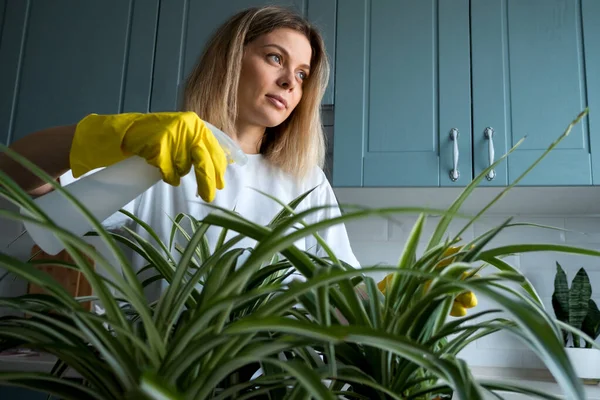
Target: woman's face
x=274 y=67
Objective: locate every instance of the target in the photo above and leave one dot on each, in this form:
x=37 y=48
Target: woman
x=261 y=80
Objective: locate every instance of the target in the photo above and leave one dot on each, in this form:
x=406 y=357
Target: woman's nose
x=286 y=80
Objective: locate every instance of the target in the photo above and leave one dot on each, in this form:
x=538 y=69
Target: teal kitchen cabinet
x=64 y=59
x=591 y=16
x=185 y=27
x=529 y=80
x=410 y=75
x=402 y=89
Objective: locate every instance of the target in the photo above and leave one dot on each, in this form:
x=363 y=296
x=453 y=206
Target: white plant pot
x=586 y=363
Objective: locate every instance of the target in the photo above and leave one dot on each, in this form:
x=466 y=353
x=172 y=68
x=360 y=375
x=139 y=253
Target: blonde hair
x=297 y=144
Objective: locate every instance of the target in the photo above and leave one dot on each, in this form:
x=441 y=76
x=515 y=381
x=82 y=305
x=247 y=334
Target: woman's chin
x=273 y=122
x=268 y=118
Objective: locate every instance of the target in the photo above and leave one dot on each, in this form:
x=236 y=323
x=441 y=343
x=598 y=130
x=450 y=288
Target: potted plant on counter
x=575 y=307
x=230 y=325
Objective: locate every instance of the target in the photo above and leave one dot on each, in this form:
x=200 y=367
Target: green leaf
x=407 y=259
x=455 y=326
x=48 y=384
x=579 y=299
x=275 y=383
x=354 y=375
x=286 y=212
x=153 y=388
x=529 y=248
x=577 y=332
x=167 y=310
x=254 y=352
x=201 y=250
x=506 y=267
x=111 y=349
x=308 y=378
x=74 y=245
x=534 y=328
x=591 y=322
x=431 y=390
x=560 y=298
x=366 y=336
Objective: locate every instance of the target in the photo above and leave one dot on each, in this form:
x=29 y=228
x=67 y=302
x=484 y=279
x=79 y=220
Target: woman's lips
x=277 y=101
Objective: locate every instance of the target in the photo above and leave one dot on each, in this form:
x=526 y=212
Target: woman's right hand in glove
x=174 y=142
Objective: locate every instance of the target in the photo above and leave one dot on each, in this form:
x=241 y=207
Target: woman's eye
x=275 y=57
x=302 y=75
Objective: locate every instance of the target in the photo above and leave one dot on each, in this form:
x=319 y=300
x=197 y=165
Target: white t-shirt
x=162 y=201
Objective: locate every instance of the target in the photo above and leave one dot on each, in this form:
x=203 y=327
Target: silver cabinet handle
x=454 y=174
x=489 y=135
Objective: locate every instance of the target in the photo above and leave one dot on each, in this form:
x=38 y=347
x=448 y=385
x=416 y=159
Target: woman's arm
x=48 y=149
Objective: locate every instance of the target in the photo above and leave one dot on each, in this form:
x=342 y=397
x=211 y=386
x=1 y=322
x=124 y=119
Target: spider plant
x=232 y=324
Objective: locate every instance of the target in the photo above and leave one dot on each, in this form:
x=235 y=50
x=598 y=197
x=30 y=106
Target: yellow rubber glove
x=171 y=141
x=461 y=303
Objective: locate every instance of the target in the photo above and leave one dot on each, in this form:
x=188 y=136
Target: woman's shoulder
x=271 y=178
x=317 y=181
x=316 y=176
x=313 y=176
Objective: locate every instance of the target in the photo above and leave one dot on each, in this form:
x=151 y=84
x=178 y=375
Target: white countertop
x=539 y=379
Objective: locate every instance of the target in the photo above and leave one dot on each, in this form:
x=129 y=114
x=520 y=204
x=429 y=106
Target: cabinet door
x=64 y=59
x=591 y=38
x=322 y=13
x=402 y=85
x=529 y=80
x=186 y=26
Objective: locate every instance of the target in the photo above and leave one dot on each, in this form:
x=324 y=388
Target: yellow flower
x=462 y=302
x=382 y=285
x=447 y=261
x=467 y=299
x=458 y=310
